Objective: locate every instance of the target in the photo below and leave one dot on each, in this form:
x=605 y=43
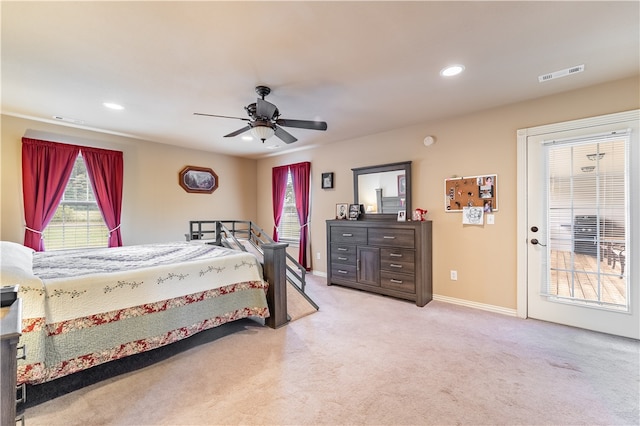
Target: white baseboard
x=454 y=301
x=476 y=305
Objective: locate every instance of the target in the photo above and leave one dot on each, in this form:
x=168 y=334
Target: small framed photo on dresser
x=402 y=216
x=354 y=211
x=341 y=211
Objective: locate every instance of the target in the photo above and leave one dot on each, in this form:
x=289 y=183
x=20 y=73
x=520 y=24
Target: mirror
x=383 y=190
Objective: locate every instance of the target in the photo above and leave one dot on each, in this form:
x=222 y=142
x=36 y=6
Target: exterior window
x=289 y=229
x=77 y=222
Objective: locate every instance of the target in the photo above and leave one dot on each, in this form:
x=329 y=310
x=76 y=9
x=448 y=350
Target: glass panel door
x=587 y=198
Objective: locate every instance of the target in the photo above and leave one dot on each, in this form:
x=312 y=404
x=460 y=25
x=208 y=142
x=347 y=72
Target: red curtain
x=46 y=168
x=300 y=175
x=105 y=170
x=279 y=188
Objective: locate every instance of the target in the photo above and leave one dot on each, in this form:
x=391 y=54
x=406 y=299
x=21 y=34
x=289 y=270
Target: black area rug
x=37 y=394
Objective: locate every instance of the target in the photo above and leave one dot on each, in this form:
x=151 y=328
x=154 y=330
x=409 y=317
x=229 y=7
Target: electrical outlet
x=454 y=275
x=318 y=255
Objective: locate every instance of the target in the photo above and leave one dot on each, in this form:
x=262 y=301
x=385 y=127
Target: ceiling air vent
x=561 y=73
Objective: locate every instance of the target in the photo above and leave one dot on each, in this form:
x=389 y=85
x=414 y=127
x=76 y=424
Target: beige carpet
x=297 y=305
x=368 y=359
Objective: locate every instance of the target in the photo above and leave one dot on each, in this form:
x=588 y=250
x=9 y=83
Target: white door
x=582 y=224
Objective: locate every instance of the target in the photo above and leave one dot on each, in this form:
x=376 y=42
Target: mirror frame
x=404 y=165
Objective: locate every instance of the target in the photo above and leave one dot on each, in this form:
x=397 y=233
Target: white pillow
x=16 y=261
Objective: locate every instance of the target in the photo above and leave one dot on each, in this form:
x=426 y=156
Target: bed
x=388 y=204
x=83 y=308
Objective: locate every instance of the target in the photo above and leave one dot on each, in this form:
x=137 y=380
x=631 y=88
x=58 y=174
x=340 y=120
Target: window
x=77 y=222
x=587 y=198
x=289 y=229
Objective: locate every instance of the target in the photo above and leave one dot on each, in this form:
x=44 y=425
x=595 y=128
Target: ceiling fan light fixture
x=262 y=132
x=597 y=156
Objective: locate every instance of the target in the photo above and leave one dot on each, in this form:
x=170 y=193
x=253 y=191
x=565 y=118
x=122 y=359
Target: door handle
x=535 y=241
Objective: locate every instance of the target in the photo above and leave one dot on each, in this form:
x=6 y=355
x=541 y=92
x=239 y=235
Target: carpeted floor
x=369 y=359
x=297 y=305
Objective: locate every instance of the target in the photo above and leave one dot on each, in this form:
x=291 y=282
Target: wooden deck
x=592 y=280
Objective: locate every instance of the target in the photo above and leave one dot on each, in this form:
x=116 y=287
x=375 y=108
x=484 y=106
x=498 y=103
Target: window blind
x=588 y=212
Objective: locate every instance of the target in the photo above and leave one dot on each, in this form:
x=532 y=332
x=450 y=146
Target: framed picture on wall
x=198 y=180
x=327 y=180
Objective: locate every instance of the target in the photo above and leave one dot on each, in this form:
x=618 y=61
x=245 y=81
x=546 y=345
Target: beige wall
x=155 y=208
x=476 y=144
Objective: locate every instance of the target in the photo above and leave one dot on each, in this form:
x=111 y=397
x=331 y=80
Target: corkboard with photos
x=471 y=191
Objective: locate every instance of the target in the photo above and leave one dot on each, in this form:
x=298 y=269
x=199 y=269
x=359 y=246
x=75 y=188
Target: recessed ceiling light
x=112 y=105
x=272 y=146
x=452 y=70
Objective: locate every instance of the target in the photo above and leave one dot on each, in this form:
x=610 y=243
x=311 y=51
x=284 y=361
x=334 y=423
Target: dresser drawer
x=342 y=253
x=400 y=282
x=397 y=260
x=392 y=237
x=346 y=234
x=345 y=272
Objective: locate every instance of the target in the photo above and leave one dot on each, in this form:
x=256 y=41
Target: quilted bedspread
x=85 y=307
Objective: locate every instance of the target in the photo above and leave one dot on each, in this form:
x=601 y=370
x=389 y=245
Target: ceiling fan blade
x=221 y=116
x=265 y=109
x=284 y=135
x=237 y=132
x=303 y=124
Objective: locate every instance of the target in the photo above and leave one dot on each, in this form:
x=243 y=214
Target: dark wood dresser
x=386 y=257
x=11 y=329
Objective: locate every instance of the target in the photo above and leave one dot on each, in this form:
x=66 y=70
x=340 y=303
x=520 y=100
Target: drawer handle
x=23 y=393
x=340 y=271
x=389 y=237
x=395 y=265
x=342 y=258
x=395 y=255
x=342 y=249
x=396 y=281
x=347 y=235
x=22 y=348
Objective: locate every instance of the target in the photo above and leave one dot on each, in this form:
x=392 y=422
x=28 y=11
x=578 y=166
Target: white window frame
x=66 y=241
x=285 y=232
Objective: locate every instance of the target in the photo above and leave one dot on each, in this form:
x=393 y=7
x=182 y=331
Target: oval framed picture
x=198 y=180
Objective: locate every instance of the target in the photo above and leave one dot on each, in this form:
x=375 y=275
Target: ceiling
x=363 y=67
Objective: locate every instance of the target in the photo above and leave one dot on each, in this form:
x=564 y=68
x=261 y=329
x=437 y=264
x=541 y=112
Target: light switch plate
x=491 y=219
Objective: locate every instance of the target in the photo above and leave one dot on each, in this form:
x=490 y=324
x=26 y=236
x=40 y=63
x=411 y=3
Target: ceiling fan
x=264 y=120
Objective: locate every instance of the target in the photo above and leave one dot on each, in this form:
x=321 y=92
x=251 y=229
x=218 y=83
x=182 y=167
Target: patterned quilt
x=85 y=307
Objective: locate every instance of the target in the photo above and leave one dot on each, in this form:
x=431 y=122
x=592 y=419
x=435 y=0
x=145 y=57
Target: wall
x=475 y=144
x=154 y=208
